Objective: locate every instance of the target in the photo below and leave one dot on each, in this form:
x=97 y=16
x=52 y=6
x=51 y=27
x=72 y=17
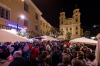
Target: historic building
x=11 y=10
x=45 y=27
x=70 y=27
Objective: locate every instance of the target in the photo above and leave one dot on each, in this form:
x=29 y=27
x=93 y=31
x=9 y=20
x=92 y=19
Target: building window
x=61 y=29
x=36 y=16
x=43 y=24
x=76 y=20
x=62 y=22
x=76 y=32
x=26 y=23
x=4 y=13
x=46 y=26
x=76 y=28
x=40 y=22
x=36 y=27
x=25 y=6
x=70 y=28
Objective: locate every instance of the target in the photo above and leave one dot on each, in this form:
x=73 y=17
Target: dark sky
x=90 y=11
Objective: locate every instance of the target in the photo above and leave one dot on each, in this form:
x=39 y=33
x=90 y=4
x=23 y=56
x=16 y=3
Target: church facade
x=70 y=27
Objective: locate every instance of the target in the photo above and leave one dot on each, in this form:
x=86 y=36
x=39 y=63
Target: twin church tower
x=70 y=27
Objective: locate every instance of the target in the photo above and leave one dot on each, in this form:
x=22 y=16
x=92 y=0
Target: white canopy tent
x=48 y=38
x=8 y=36
x=83 y=40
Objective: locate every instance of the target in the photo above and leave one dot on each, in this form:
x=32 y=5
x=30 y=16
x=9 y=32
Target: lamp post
x=21 y=17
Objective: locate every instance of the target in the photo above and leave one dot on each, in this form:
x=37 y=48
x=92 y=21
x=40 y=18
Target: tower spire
x=62 y=9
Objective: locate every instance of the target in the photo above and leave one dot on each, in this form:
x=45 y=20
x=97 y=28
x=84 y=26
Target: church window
x=62 y=18
x=76 y=28
x=76 y=32
x=61 y=29
x=76 y=20
x=62 y=22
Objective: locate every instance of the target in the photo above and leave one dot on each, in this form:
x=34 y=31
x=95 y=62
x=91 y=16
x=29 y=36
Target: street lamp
x=21 y=17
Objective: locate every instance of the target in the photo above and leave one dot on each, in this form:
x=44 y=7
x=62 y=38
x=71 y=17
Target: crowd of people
x=48 y=53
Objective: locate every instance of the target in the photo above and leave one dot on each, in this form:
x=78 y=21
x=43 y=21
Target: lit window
x=25 y=6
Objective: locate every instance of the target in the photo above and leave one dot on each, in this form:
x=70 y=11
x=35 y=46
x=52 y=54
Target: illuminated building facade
x=10 y=11
x=45 y=27
x=70 y=26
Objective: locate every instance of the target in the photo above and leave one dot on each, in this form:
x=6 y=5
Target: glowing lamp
x=22 y=16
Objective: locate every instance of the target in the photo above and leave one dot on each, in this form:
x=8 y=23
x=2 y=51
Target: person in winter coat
x=18 y=59
x=26 y=52
x=65 y=61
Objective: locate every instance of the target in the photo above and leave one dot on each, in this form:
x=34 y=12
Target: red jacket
x=30 y=46
x=34 y=53
x=67 y=44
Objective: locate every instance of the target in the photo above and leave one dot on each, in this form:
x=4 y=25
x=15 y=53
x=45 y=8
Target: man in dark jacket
x=18 y=60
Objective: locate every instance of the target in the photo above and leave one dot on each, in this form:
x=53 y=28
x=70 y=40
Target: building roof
x=35 y=7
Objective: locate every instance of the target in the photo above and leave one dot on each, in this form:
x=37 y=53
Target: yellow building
x=70 y=26
x=45 y=27
x=10 y=11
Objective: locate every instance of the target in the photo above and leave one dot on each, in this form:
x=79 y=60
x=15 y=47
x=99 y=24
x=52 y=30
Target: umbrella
x=83 y=40
x=6 y=36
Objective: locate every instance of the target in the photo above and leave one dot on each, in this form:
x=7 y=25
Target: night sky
x=90 y=11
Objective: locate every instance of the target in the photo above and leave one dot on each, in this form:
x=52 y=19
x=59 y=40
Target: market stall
x=9 y=36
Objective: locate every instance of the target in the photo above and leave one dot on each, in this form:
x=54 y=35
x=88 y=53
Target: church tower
x=70 y=27
x=76 y=16
x=76 y=23
x=62 y=18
